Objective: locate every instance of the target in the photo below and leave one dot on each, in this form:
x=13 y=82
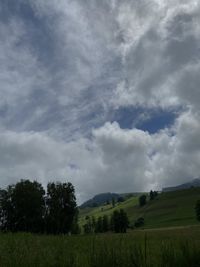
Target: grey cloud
x=60 y=81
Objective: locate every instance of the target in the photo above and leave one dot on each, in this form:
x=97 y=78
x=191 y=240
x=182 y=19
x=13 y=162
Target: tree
x=142 y=200
x=119 y=221
x=22 y=207
x=99 y=225
x=120 y=199
x=139 y=222
x=105 y=223
x=107 y=202
x=61 y=208
x=7 y=217
x=153 y=195
x=197 y=209
x=113 y=202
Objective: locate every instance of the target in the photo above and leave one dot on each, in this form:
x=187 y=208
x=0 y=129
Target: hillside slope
x=169 y=209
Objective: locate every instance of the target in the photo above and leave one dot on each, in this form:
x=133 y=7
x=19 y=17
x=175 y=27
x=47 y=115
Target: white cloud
x=59 y=81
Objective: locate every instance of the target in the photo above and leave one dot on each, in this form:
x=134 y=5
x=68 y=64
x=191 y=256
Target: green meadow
x=167 y=210
x=179 y=247
x=170 y=237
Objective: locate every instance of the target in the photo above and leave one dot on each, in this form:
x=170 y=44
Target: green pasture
x=144 y=248
x=168 y=209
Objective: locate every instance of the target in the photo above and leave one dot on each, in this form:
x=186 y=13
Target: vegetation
x=197 y=209
x=142 y=200
x=139 y=222
x=155 y=248
x=153 y=195
x=25 y=207
x=118 y=223
x=168 y=209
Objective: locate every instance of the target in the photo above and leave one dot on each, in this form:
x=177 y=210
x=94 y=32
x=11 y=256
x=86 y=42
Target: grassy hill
x=168 y=209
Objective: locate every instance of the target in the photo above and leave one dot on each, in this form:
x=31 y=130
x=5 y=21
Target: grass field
x=146 y=248
x=169 y=209
x=170 y=238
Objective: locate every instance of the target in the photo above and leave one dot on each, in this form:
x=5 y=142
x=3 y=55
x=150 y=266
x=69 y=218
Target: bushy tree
x=25 y=207
x=153 y=195
x=22 y=207
x=105 y=223
x=120 y=199
x=119 y=221
x=113 y=202
x=197 y=209
x=61 y=208
x=99 y=225
x=142 y=200
x=139 y=222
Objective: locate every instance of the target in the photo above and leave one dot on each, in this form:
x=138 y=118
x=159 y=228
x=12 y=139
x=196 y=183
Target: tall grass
x=139 y=249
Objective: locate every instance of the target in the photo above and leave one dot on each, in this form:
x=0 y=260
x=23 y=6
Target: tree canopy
x=25 y=207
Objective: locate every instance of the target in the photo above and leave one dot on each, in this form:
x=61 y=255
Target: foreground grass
x=163 y=248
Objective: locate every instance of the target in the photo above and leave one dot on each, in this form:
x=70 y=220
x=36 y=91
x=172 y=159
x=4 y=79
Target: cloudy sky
x=105 y=94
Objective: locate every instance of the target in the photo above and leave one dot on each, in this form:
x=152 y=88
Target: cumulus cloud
x=67 y=65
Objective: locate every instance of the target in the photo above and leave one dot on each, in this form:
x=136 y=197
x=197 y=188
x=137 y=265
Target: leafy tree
x=61 y=208
x=105 y=223
x=7 y=217
x=93 y=223
x=139 y=222
x=22 y=207
x=99 y=225
x=107 y=202
x=119 y=221
x=87 y=228
x=120 y=199
x=113 y=202
x=153 y=195
x=197 y=209
x=142 y=200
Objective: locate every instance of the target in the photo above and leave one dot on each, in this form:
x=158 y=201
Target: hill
x=193 y=183
x=168 y=209
x=100 y=199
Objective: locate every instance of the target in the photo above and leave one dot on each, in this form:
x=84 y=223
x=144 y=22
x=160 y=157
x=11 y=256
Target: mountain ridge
x=194 y=183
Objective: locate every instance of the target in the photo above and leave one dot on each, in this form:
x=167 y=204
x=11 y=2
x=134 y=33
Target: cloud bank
x=68 y=68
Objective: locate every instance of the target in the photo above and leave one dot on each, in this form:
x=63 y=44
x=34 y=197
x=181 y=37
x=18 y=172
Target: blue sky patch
x=144 y=119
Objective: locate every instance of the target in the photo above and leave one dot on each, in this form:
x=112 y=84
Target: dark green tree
x=120 y=199
x=61 y=208
x=105 y=223
x=22 y=207
x=124 y=221
x=197 y=209
x=119 y=221
x=113 y=202
x=139 y=222
x=142 y=200
x=7 y=216
x=99 y=225
x=88 y=226
x=93 y=222
x=153 y=195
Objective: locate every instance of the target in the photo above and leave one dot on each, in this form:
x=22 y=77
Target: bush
x=197 y=209
x=142 y=200
x=139 y=222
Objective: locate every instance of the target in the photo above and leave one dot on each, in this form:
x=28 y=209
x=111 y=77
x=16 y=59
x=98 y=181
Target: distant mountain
x=193 y=183
x=100 y=199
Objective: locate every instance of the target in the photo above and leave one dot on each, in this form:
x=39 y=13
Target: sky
x=103 y=94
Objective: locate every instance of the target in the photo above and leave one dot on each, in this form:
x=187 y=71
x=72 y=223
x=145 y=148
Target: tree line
x=26 y=207
x=118 y=222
